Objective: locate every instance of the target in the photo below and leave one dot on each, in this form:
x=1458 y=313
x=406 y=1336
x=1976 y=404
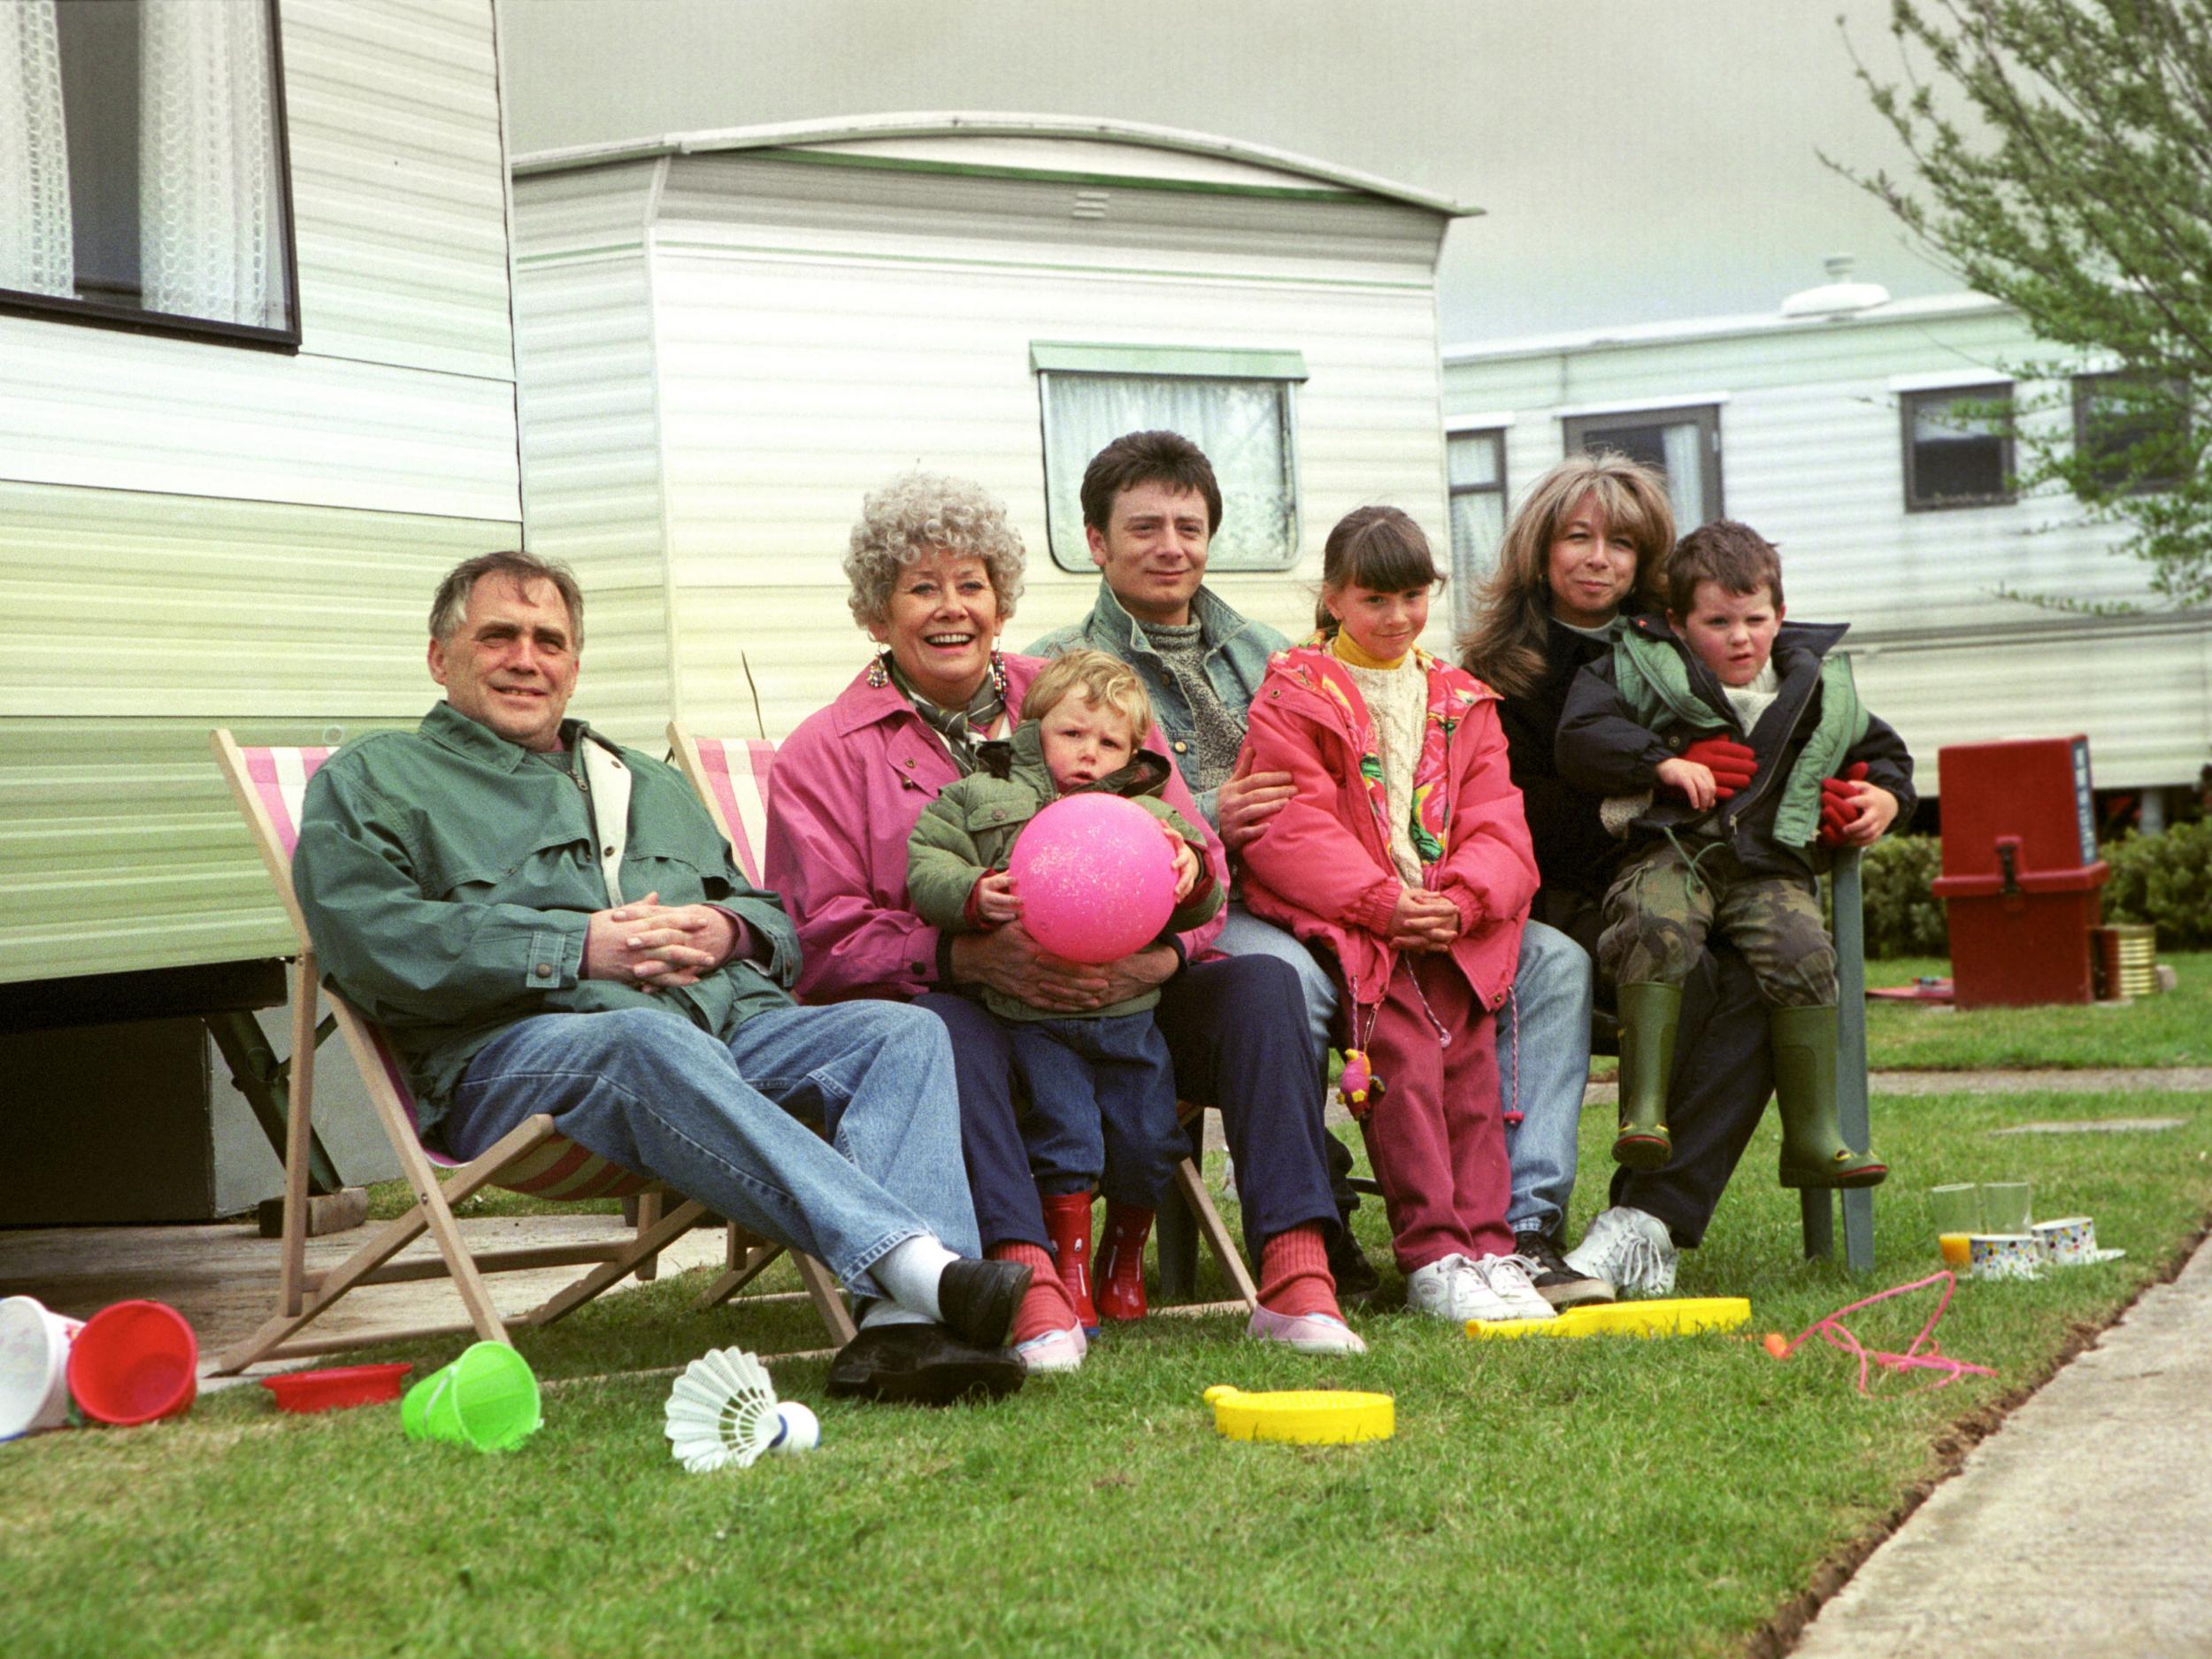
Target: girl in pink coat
x=1403 y=855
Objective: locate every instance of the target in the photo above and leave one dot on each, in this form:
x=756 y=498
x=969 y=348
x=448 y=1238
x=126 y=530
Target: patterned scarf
x=963 y=729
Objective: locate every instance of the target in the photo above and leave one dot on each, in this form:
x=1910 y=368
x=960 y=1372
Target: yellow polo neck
x=1346 y=649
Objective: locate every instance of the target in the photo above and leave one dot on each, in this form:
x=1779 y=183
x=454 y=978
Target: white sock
x=908 y=1271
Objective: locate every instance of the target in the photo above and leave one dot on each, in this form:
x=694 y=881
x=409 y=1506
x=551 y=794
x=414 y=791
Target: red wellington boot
x=1121 y=1262
x=1068 y=1220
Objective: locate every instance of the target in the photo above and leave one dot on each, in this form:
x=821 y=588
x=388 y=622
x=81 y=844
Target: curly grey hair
x=927 y=512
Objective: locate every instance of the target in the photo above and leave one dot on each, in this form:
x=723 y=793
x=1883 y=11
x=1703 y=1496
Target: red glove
x=1731 y=763
x=1838 y=805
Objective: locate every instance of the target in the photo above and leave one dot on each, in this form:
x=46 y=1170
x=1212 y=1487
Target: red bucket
x=332 y=1390
x=134 y=1362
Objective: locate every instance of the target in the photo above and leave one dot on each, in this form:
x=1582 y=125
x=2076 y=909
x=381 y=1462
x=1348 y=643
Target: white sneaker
x=1506 y=1278
x=1053 y=1351
x=1436 y=1290
x=1632 y=1249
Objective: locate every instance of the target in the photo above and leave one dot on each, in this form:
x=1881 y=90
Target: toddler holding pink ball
x=1101 y=1092
x=1403 y=857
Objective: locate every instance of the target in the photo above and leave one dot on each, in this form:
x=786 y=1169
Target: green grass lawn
x=2172 y=1028
x=1539 y=1498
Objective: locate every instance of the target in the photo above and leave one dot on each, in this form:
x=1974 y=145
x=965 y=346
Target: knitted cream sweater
x=1397 y=698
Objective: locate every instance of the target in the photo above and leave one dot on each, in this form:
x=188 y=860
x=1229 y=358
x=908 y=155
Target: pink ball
x=1096 y=877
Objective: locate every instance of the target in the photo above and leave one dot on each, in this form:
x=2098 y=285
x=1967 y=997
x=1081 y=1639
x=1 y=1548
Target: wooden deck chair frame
x=533 y=1150
x=730 y=776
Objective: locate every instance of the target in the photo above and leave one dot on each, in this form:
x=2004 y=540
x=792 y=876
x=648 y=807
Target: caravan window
x=1236 y=405
x=143 y=177
x=1682 y=443
x=1958 y=448
x=2133 y=429
x=1474 y=465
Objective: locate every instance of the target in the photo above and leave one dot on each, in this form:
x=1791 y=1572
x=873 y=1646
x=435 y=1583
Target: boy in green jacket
x=1103 y=1109
x=1733 y=750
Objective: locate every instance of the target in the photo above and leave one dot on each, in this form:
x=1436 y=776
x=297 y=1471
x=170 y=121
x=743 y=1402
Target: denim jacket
x=1237 y=649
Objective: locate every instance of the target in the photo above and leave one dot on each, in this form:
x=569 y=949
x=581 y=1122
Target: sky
x=1637 y=160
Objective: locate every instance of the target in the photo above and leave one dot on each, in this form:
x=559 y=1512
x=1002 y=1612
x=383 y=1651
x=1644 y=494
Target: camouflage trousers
x=1659 y=910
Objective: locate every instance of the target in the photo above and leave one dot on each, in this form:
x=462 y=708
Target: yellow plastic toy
x=1629 y=1319
x=1306 y=1416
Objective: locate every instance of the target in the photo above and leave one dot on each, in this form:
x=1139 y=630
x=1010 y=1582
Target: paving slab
x=2082 y=1527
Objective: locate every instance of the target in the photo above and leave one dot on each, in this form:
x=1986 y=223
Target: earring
x=879 y=672
x=998 y=672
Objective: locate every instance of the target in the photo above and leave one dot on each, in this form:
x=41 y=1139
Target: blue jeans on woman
x=735 y=1125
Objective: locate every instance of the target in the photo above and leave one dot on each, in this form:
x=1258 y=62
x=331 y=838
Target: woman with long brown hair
x=1588 y=544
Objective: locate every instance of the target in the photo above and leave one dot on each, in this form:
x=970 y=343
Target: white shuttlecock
x=722 y=1410
x=797 y=1429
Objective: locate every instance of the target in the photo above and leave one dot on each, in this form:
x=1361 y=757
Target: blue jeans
x=1102 y=1106
x=728 y=1123
x=1244 y=934
x=1235 y=1032
x=1543 y=1062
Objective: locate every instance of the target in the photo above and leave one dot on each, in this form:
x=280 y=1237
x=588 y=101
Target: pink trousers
x=1434 y=1139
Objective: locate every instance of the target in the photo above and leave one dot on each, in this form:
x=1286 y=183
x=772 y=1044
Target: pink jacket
x=1322 y=865
x=843 y=798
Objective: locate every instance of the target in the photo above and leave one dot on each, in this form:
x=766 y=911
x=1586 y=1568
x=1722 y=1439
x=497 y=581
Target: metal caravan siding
x=195 y=535
x=1812 y=456
x=819 y=328
x=591 y=437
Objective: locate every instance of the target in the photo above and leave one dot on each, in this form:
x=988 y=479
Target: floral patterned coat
x=1322 y=865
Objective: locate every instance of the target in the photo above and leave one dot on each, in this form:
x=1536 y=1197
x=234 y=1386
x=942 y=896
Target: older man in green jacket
x=544 y=922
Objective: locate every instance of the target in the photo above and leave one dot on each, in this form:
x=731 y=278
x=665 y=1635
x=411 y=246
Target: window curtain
x=1686 y=474
x=208 y=192
x=1241 y=424
x=37 y=253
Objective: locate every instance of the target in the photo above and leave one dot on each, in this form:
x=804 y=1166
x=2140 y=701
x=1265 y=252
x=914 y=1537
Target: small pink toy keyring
x=1839 y=1335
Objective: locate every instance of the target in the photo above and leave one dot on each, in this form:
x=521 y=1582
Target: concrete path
x=2083 y=1527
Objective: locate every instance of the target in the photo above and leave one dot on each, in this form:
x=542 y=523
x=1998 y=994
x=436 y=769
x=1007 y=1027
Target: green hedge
x=2164 y=879
x=1903 y=915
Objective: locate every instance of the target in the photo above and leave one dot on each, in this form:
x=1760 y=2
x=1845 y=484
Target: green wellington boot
x=1813 y=1152
x=1648 y=1015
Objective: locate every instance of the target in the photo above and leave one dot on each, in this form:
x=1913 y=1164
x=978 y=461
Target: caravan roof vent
x=1838 y=295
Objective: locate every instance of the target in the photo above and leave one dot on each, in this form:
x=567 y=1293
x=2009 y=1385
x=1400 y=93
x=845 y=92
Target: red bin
x=2021 y=875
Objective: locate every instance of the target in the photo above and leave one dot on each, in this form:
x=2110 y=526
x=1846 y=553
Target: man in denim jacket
x=1151 y=506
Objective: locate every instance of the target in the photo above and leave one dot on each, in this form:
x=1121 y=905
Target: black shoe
x=920 y=1364
x=1556 y=1282
x=1356 y=1279
x=978 y=1300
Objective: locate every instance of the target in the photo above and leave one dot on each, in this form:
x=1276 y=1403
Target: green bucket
x=487 y=1398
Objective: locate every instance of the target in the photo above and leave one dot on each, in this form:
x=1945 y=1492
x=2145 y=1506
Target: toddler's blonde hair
x=1102 y=678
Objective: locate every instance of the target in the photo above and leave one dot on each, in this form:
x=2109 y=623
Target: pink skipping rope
x=1837 y=1334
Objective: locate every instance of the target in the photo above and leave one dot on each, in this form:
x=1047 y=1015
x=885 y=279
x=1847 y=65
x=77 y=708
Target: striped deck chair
x=530 y=1158
x=731 y=776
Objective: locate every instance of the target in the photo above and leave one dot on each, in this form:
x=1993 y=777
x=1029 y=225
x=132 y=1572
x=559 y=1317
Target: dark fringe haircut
x=1379 y=548
x=1726 y=552
x=1148 y=457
